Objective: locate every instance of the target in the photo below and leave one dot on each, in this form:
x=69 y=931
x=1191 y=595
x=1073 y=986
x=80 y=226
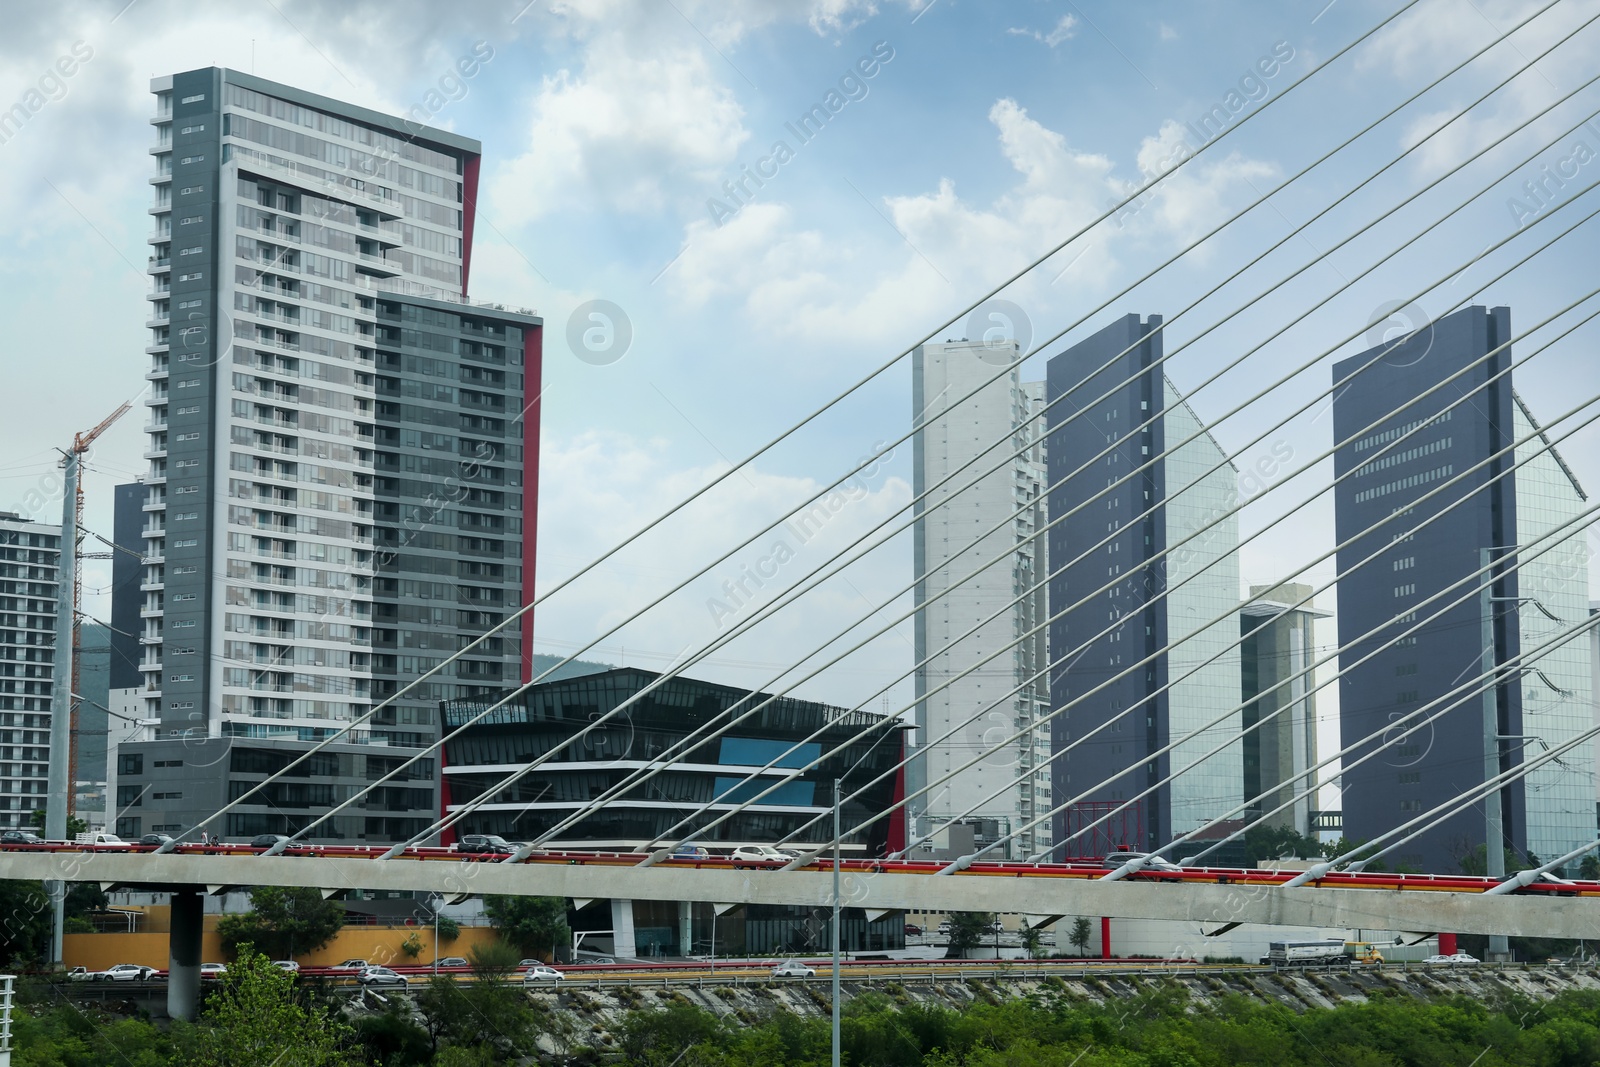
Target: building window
x=130 y=763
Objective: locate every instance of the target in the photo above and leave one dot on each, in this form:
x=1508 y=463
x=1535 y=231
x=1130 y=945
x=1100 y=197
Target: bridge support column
x=1447 y=944
x=623 y=942
x=183 y=967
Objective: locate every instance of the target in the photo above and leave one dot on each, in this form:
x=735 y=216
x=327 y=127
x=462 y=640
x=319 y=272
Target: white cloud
x=1064 y=30
x=631 y=133
x=810 y=285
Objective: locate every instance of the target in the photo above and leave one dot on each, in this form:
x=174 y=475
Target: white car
x=542 y=973
x=761 y=854
x=1456 y=957
x=793 y=969
x=212 y=970
x=287 y=965
x=125 y=972
x=381 y=976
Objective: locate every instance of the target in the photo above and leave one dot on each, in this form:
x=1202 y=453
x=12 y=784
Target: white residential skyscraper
x=29 y=554
x=947 y=549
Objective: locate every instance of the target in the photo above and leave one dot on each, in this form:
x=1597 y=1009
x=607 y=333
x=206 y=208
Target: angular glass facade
x=704 y=781
x=1555 y=571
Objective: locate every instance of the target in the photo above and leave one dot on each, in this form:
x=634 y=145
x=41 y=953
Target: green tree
x=1475 y=861
x=1589 y=869
x=75 y=825
x=1278 y=842
x=392 y=1039
x=660 y=1036
x=282 y=922
x=967 y=931
x=1029 y=937
x=256 y=1019
x=489 y=1014
x=448 y=928
x=24 y=921
x=1081 y=932
x=535 y=925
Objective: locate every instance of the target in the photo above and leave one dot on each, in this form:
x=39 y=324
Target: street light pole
x=837 y=844
x=1494 y=850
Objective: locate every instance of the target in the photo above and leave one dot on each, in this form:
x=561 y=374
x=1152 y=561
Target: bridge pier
x=183 y=951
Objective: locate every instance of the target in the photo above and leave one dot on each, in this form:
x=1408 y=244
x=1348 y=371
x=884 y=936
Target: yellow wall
x=376 y=944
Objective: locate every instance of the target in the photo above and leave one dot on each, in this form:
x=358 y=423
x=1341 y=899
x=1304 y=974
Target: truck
x=97 y=837
x=1293 y=953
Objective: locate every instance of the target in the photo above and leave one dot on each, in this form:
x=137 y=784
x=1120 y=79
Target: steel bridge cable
x=1466 y=690
x=761 y=450
x=1451 y=700
x=648 y=607
x=1351 y=645
x=1145 y=662
x=1375 y=555
x=1013 y=738
x=1388 y=447
x=790 y=595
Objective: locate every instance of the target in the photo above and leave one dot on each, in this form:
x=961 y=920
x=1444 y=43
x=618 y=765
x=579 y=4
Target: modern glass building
x=704 y=781
x=956 y=439
x=1125 y=625
x=341 y=486
x=29 y=577
x=1464 y=429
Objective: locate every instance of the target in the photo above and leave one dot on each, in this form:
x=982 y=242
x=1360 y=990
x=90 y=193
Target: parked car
x=20 y=837
x=691 y=852
x=997 y=927
x=761 y=854
x=543 y=973
x=157 y=840
x=793 y=969
x=125 y=972
x=287 y=965
x=381 y=976
x=485 y=845
x=265 y=841
x=944 y=928
x=451 y=961
x=212 y=970
x=913 y=930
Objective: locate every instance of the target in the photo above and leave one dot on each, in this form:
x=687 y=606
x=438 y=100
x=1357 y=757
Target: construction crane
x=80 y=448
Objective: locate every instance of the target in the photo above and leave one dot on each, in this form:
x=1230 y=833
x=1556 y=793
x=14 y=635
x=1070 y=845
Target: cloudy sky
x=964 y=142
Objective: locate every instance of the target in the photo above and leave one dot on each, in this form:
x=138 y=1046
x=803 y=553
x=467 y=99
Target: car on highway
x=213 y=970
x=125 y=972
x=485 y=845
x=381 y=976
x=451 y=961
x=1454 y=957
x=543 y=973
x=265 y=841
x=287 y=965
x=1153 y=864
x=597 y=961
x=20 y=837
x=351 y=965
x=793 y=969
x=79 y=974
x=761 y=854
x=691 y=852
x=156 y=840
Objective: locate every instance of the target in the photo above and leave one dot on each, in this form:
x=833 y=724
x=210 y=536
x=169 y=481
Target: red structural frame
x=469 y=213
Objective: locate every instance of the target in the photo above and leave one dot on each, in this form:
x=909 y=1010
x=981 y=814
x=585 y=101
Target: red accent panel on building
x=1105 y=937
x=447 y=836
x=469 y=214
x=897 y=820
x=1447 y=944
x=533 y=387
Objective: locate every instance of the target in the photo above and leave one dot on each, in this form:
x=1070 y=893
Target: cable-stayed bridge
x=1419 y=498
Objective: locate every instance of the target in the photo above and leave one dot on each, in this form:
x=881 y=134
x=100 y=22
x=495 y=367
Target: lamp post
x=837 y=844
